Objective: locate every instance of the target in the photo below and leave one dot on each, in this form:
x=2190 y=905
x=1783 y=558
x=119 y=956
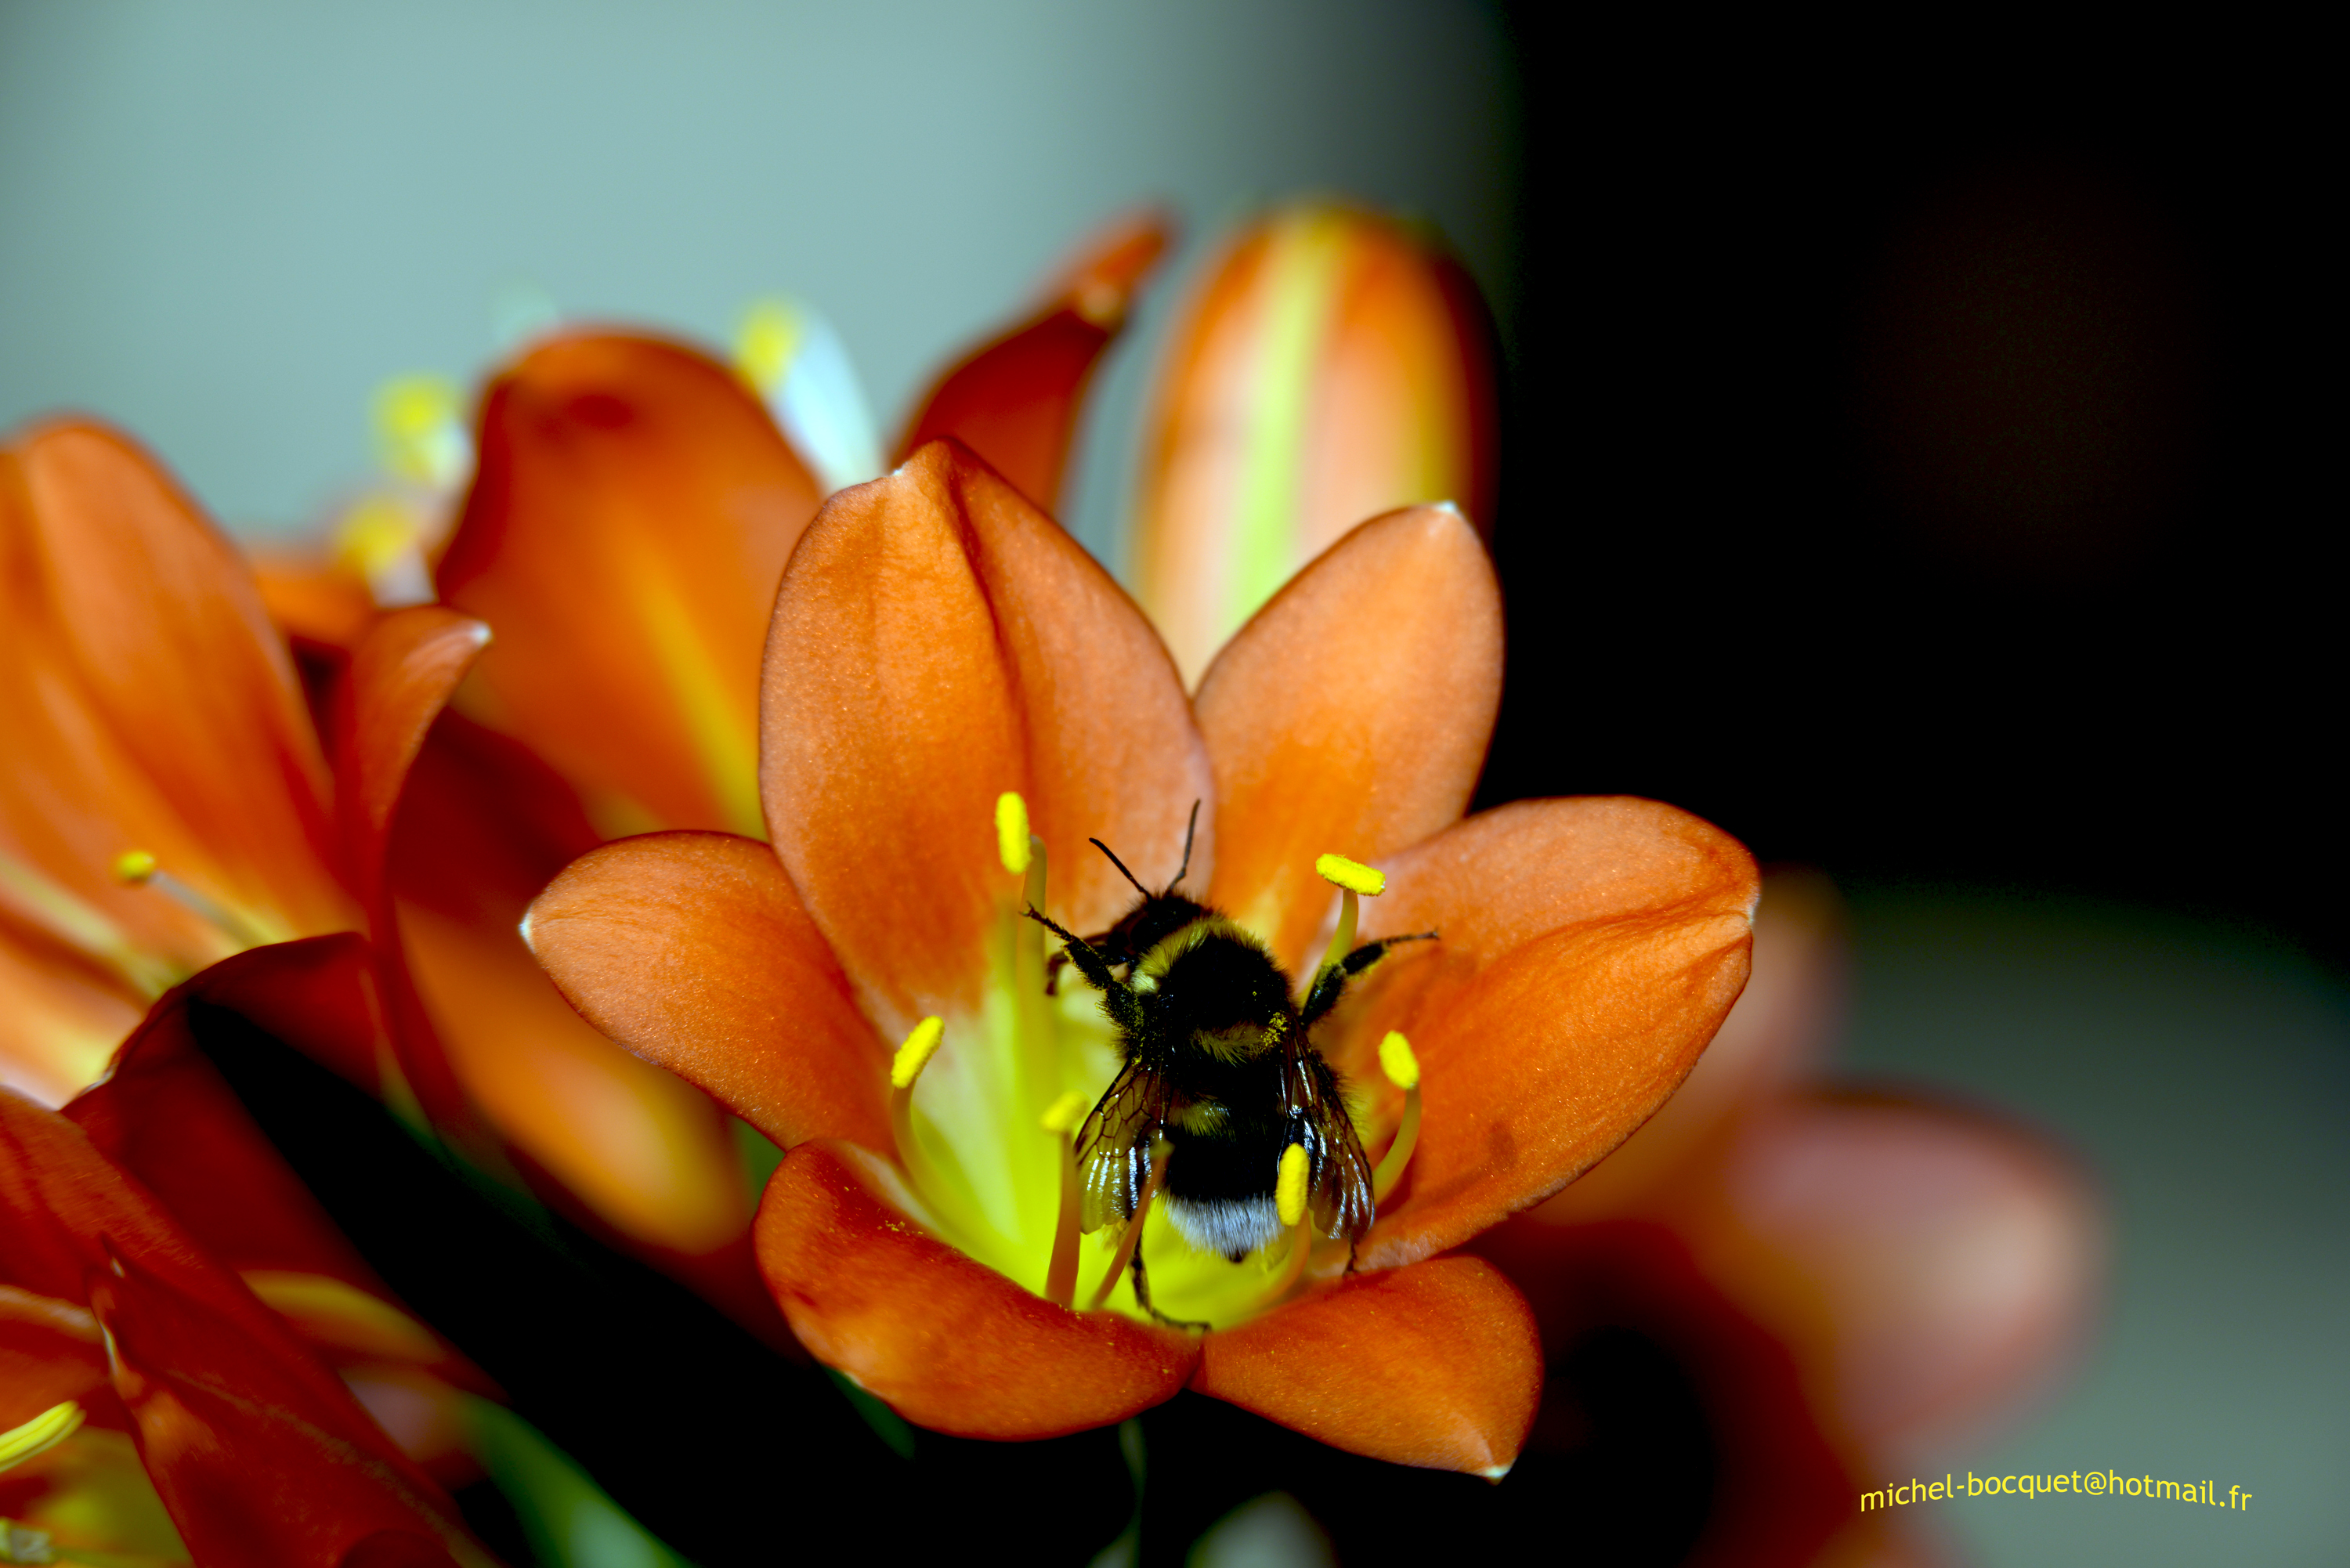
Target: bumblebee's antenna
x=1188 y=833
x=1122 y=871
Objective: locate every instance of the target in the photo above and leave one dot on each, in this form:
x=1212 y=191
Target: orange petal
x=938 y=640
x=61 y=1016
x=1780 y=1027
x=633 y=510
x=1439 y=1364
x=647 y=1154
x=692 y=949
x=149 y=706
x=322 y=603
x=481 y=829
x=950 y=1343
x=1588 y=951
x=1350 y=717
x=400 y=678
x=1332 y=367
x=1015 y=399
x=1933 y=1262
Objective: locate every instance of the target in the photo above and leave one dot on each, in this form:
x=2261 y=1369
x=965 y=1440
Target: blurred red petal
x=1934 y=1262
x=1015 y=399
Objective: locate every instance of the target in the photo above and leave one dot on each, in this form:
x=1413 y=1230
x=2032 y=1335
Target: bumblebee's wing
x=1113 y=1147
x=1342 y=1176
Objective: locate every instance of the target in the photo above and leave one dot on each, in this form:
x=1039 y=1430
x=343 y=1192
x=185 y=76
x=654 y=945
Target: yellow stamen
x=1012 y=832
x=1351 y=878
x=1161 y=1153
x=139 y=869
x=45 y=1430
x=1061 y=1275
x=915 y=1054
x=1396 y=1060
x=922 y=1043
x=1289 y=1195
x=1289 y=1192
x=1351 y=875
x=1402 y=1068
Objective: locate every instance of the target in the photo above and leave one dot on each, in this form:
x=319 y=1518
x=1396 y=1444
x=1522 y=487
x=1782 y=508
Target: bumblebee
x=1220 y=1076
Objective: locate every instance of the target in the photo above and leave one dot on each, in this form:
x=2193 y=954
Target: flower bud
x=1334 y=366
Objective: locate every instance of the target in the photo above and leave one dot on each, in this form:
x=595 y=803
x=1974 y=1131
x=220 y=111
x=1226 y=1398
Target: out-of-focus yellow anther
x=1289 y=1192
x=134 y=867
x=1012 y=832
x=418 y=430
x=763 y=348
x=1064 y=1114
x=1396 y=1060
x=915 y=1054
x=45 y=1430
x=1352 y=875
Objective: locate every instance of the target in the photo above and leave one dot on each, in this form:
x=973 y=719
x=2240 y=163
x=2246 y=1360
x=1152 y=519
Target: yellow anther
x=1064 y=1114
x=1396 y=1060
x=915 y=1054
x=1289 y=1192
x=45 y=1430
x=763 y=349
x=418 y=430
x=1012 y=832
x=377 y=534
x=1352 y=875
x=133 y=868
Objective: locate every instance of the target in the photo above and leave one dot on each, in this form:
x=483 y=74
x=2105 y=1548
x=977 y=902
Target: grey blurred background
x=223 y=225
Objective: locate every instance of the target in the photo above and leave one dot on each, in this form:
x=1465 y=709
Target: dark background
x=1913 y=458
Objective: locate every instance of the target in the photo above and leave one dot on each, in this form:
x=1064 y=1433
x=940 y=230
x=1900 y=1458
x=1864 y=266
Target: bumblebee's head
x=1213 y=982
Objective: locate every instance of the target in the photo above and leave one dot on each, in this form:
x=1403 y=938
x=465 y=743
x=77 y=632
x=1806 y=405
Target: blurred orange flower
x=937 y=643
x=168 y=803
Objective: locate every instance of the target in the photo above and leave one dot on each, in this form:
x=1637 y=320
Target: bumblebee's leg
x=1094 y=967
x=1054 y=965
x=1142 y=1298
x=1331 y=984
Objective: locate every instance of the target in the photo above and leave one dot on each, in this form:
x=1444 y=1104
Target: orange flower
x=937 y=643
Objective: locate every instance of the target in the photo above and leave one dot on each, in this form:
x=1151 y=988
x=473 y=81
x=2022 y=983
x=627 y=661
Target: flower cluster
x=800 y=800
